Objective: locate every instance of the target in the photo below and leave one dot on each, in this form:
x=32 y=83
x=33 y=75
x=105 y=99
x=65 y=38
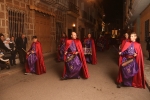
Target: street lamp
x=74 y=25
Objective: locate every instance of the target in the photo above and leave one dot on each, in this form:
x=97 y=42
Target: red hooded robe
x=123 y=42
x=81 y=55
x=138 y=79
x=40 y=66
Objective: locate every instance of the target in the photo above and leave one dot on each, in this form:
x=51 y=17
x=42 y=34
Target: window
x=16 y=23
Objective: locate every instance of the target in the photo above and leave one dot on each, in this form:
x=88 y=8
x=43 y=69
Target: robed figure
x=132 y=73
x=74 y=59
x=61 y=47
x=21 y=43
x=89 y=50
x=126 y=39
x=35 y=61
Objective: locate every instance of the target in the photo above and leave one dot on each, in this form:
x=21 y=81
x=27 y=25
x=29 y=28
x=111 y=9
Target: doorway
x=43 y=30
x=59 y=32
x=82 y=34
x=69 y=33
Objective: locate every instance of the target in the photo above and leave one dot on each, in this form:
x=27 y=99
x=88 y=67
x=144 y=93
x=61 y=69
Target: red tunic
x=40 y=66
x=138 y=79
x=123 y=42
x=94 y=59
x=81 y=55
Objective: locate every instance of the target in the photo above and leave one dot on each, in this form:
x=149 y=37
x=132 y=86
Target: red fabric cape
x=138 y=79
x=94 y=59
x=81 y=55
x=123 y=42
x=40 y=66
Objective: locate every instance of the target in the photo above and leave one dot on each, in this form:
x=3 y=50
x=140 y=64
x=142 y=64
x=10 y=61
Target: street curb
x=147 y=83
x=18 y=67
x=10 y=71
x=146 y=73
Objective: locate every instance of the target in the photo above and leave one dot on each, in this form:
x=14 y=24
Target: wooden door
x=58 y=33
x=42 y=30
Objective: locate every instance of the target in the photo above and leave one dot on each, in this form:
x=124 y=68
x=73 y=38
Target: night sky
x=113 y=10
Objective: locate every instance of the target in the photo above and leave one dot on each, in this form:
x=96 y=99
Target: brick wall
x=2 y=16
x=29 y=24
x=29 y=7
x=16 y=5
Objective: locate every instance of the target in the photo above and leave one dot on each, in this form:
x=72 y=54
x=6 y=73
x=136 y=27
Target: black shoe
x=148 y=59
x=22 y=63
x=8 y=67
x=118 y=85
x=63 y=78
x=2 y=68
x=78 y=77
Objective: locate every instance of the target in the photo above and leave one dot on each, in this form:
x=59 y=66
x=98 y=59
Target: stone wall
x=18 y=6
x=145 y=15
x=2 y=16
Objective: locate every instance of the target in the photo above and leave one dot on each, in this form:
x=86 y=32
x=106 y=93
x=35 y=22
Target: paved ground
x=147 y=71
x=100 y=86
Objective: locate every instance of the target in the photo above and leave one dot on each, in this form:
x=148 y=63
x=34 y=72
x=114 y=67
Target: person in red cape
x=61 y=47
x=131 y=74
x=89 y=50
x=74 y=59
x=35 y=61
x=126 y=39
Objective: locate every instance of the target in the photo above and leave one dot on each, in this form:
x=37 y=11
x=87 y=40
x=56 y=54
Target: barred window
x=16 y=23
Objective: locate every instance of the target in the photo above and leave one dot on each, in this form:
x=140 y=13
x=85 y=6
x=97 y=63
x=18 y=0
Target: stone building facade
x=47 y=19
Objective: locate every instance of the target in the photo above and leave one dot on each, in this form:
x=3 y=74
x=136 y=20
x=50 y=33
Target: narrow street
x=100 y=86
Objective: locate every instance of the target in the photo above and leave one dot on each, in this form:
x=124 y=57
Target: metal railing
x=54 y=2
x=88 y=17
x=72 y=7
x=84 y=15
x=62 y=2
